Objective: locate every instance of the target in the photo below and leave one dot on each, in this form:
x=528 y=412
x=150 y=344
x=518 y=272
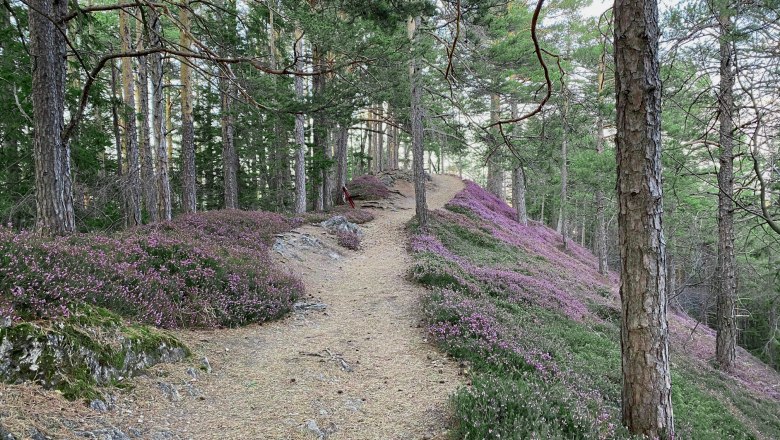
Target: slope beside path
x=359 y=369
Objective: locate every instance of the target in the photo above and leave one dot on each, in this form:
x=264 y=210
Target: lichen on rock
x=93 y=347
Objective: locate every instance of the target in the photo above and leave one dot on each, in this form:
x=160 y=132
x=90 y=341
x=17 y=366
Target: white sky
x=599 y=6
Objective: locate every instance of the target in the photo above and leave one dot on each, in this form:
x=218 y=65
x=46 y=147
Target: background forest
x=274 y=105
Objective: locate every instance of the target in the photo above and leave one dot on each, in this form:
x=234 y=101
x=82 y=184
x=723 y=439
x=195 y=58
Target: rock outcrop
x=92 y=348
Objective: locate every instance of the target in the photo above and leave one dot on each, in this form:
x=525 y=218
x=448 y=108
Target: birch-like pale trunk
x=158 y=119
x=148 y=178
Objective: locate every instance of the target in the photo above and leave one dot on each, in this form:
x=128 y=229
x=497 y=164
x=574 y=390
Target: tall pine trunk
x=188 y=178
x=562 y=210
x=300 y=133
x=726 y=339
x=495 y=175
x=320 y=133
x=421 y=206
x=132 y=181
x=53 y=185
x=342 y=139
x=229 y=155
x=115 y=98
x=518 y=194
x=380 y=143
x=646 y=395
x=601 y=224
x=158 y=120
x=230 y=160
x=363 y=139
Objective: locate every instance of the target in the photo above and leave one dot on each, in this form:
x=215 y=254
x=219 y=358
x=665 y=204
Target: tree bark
x=229 y=156
x=601 y=224
x=324 y=190
x=380 y=144
x=169 y=119
x=230 y=161
x=132 y=181
x=601 y=232
x=148 y=177
x=342 y=139
x=421 y=206
x=495 y=175
x=53 y=185
x=392 y=141
x=671 y=277
x=518 y=194
x=300 y=134
x=188 y=178
x=363 y=140
x=278 y=160
x=726 y=339
x=116 y=97
x=158 y=120
x=562 y=210
x=397 y=147
x=646 y=396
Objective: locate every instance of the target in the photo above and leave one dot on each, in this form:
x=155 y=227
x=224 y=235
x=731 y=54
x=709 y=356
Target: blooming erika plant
x=200 y=270
x=537 y=325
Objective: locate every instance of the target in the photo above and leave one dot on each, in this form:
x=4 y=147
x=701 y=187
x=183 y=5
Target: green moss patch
x=91 y=348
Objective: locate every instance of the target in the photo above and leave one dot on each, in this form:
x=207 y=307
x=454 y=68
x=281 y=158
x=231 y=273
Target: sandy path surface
x=286 y=379
x=360 y=369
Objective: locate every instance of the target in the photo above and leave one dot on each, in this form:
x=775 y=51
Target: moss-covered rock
x=92 y=347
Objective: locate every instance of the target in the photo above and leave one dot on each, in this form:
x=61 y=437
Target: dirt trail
x=285 y=380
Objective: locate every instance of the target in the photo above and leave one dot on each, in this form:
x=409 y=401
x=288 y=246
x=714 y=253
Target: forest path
x=285 y=380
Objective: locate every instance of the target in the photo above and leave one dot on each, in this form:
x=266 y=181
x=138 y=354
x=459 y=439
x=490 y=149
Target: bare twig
x=454 y=41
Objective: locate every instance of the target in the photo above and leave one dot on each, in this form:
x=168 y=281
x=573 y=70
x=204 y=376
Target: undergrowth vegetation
x=348 y=239
x=539 y=328
x=209 y=269
x=357 y=215
x=367 y=187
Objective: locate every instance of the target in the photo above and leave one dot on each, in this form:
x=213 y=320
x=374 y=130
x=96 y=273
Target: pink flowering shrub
x=367 y=187
x=348 y=239
x=357 y=216
x=200 y=270
x=537 y=326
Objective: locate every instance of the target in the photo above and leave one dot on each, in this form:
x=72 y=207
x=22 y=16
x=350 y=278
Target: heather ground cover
x=367 y=187
x=539 y=329
x=354 y=215
x=203 y=270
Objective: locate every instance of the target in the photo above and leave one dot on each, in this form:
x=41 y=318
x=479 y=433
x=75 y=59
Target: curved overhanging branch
x=454 y=42
x=538 y=50
x=548 y=84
